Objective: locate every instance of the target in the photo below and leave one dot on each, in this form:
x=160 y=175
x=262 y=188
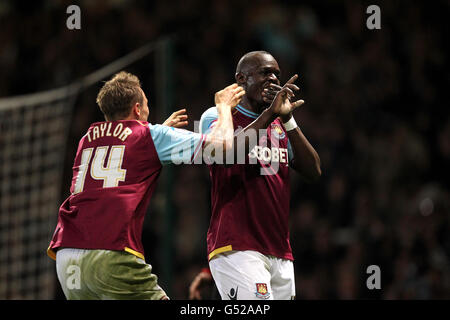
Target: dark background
x=376 y=111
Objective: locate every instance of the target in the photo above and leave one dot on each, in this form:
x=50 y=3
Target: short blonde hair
x=118 y=95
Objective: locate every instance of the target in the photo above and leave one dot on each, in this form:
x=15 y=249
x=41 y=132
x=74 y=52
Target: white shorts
x=250 y=275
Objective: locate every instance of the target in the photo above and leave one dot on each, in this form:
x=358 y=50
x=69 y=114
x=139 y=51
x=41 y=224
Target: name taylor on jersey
x=105 y=129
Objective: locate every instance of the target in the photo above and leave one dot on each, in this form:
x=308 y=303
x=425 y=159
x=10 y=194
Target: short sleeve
x=176 y=145
x=208 y=120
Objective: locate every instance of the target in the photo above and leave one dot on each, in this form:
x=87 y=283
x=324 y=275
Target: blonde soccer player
x=97 y=241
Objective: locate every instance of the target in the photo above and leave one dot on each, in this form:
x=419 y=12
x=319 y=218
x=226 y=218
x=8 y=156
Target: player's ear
x=240 y=77
x=137 y=109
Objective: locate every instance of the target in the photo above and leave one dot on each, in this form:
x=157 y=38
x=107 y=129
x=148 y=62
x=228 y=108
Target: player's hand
x=230 y=96
x=270 y=92
x=282 y=104
x=202 y=279
x=178 y=119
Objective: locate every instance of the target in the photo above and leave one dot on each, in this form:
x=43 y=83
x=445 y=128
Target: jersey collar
x=246 y=112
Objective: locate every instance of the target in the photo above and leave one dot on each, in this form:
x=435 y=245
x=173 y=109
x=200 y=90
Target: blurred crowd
x=375 y=112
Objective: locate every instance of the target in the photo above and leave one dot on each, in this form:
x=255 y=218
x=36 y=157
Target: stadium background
x=376 y=112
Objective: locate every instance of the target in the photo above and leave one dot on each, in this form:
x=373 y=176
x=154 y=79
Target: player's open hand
x=178 y=119
x=282 y=104
x=230 y=96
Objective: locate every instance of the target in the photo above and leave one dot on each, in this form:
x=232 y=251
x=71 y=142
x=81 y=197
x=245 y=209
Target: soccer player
x=249 y=253
x=97 y=242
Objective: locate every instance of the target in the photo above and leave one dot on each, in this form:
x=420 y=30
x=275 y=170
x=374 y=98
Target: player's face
x=144 y=108
x=264 y=72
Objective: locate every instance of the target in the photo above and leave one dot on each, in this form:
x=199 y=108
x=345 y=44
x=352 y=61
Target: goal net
x=33 y=134
x=32 y=139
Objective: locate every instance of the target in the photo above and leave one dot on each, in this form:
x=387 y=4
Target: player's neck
x=245 y=103
x=131 y=116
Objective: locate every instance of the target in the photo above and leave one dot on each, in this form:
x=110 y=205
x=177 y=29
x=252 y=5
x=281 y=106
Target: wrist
x=271 y=114
x=223 y=106
x=289 y=125
x=286 y=117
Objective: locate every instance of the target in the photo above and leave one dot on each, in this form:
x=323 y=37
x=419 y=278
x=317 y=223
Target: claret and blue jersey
x=250 y=202
x=114 y=175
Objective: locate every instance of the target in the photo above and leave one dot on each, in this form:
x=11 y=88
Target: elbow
x=317 y=173
x=312 y=175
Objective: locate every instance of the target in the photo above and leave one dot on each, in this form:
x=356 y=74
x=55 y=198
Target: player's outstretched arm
x=178 y=146
x=178 y=119
x=221 y=136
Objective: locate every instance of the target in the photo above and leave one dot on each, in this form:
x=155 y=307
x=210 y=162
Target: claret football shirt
x=114 y=175
x=250 y=201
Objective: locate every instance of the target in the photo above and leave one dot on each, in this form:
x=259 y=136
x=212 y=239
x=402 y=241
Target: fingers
x=292 y=79
x=270 y=92
x=178 y=112
x=180 y=124
x=287 y=91
x=238 y=89
x=226 y=89
x=290 y=83
x=289 y=88
x=178 y=119
x=238 y=92
x=274 y=87
x=233 y=89
x=230 y=87
x=269 y=96
x=292 y=86
x=237 y=98
x=230 y=95
x=179 y=115
x=296 y=104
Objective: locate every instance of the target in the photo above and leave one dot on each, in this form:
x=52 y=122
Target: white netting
x=32 y=140
x=33 y=134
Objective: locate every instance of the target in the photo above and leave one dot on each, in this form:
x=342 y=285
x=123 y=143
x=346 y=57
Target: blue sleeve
x=208 y=119
x=176 y=145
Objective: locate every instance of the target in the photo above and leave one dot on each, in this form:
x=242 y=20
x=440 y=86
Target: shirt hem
x=52 y=254
x=287 y=256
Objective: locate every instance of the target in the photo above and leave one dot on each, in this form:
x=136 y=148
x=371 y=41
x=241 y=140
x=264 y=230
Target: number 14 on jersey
x=111 y=174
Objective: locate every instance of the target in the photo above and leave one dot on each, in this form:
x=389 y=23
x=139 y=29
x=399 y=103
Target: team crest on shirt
x=277 y=131
x=261 y=291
